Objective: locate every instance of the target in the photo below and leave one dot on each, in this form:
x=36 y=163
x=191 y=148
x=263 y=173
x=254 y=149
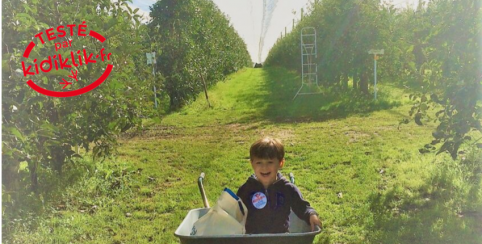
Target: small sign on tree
x=151 y=58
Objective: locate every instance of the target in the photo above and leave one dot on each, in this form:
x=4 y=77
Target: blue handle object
x=235 y=197
x=231 y=193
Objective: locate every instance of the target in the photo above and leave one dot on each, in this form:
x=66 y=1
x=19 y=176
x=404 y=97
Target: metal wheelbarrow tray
x=300 y=231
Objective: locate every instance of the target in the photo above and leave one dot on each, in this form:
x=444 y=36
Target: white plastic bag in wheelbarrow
x=227 y=217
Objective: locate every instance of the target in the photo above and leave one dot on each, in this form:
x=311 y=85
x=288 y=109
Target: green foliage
x=390 y=192
x=433 y=49
x=45 y=132
x=448 y=71
x=42 y=136
x=346 y=30
x=198 y=46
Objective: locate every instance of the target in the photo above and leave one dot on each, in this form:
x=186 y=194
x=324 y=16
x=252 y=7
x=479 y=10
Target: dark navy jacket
x=269 y=209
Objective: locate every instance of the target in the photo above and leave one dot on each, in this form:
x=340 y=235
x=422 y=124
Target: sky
x=246 y=16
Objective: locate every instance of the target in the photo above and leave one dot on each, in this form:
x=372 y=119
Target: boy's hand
x=314 y=220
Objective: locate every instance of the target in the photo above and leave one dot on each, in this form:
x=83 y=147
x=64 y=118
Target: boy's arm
x=300 y=206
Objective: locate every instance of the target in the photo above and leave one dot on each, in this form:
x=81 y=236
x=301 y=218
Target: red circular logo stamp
x=71 y=61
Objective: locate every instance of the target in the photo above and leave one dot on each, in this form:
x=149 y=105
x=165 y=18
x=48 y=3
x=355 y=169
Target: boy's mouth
x=265 y=174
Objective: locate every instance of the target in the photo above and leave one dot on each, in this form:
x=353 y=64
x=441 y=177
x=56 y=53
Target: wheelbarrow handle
x=201 y=189
x=292 y=178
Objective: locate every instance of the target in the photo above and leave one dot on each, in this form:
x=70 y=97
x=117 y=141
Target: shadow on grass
x=447 y=209
x=281 y=86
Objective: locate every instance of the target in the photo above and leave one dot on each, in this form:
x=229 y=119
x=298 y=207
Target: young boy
x=268 y=196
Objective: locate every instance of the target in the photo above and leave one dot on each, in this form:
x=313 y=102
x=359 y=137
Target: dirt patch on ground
x=150 y=132
x=173 y=132
x=284 y=135
x=238 y=127
x=239 y=132
x=355 y=136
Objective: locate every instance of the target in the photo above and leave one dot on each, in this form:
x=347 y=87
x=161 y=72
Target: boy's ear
x=281 y=163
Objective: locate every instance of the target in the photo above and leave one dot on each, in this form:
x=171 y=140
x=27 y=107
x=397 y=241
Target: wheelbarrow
x=300 y=231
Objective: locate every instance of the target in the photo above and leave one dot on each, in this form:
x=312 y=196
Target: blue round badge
x=259 y=200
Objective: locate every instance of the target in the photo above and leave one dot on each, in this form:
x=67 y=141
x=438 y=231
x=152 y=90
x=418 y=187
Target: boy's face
x=266 y=169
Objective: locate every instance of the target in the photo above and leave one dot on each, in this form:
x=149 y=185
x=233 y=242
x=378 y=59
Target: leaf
x=435 y=142
x=75 y=155
x=36 y=100
x=434 y=98
x=108 y=174
x=49 y=127
x=418 y=117
x=404 y=121
x=111 y=23
x=410 y=49
x=17 y=134
x=48 y=134
x=28 y=9
x=423 y=107
x=57 y=73
x=439 y=112
x=23 y=166
x=444 y=147
x=423 y=150
x=25 y=16
x=423 y=98
x=50 y=143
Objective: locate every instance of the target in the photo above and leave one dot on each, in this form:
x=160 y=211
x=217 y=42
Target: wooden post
x=285 y=30
x=301 y=13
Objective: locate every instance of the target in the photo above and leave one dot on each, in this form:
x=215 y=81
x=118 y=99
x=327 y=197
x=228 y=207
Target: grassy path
x=351 y=160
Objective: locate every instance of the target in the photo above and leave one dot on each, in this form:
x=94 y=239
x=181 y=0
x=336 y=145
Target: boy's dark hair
x=267 y=147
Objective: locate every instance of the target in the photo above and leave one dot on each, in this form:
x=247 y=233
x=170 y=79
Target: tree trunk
x=205 y=89
x=33 y=176
x=364 y=83
x=344 y=81
x=10 y=174
x=356 y=79
x=58 y=161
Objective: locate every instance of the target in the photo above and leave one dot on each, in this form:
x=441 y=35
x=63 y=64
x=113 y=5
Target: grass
x=390 y=193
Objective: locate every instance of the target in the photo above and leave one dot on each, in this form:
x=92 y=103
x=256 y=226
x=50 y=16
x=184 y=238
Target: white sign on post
x=375 y=52
x=151 y=58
